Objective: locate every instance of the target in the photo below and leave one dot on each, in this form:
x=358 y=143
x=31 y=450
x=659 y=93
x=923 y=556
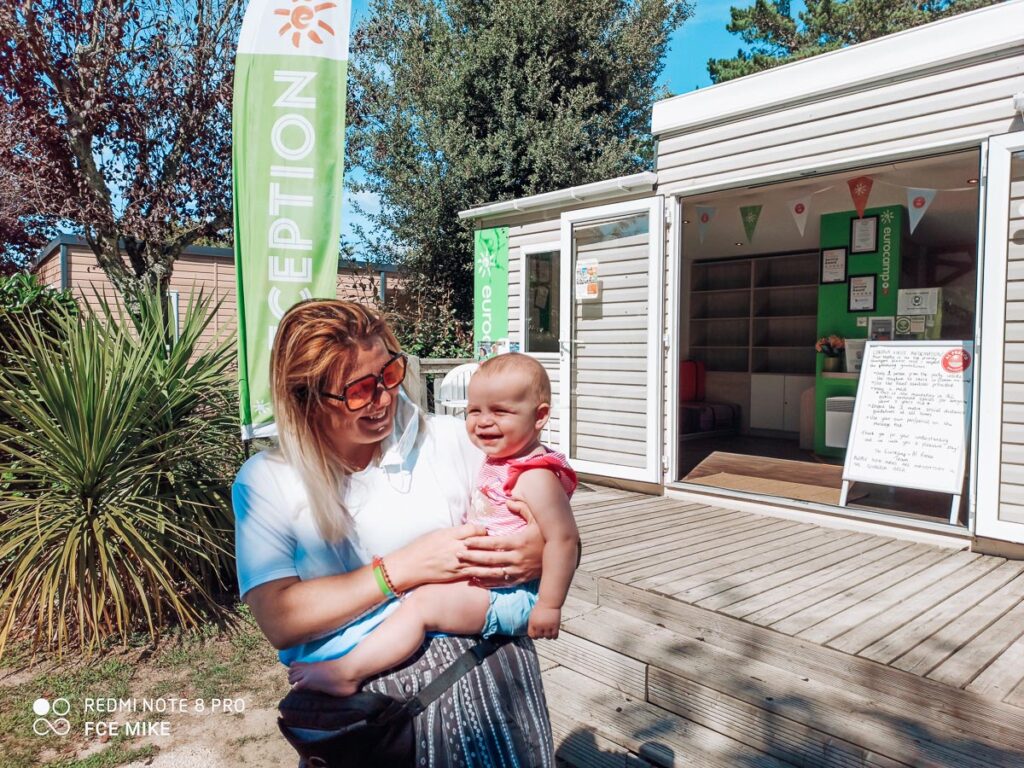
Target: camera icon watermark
x=51 y=717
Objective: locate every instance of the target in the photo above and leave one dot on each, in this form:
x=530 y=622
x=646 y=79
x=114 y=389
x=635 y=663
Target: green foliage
x=775 y=38
x=427 y=326
x=460 y=103
x=23 y=297
x=117 y=445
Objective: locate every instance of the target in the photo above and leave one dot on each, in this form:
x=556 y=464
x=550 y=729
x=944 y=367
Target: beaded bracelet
x=380 y=573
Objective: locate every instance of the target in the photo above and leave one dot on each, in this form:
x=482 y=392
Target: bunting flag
x=750 y=214
x=860 y=189
x=288 y=124
x=800 y=208
x=705 y=213
x=918 y=201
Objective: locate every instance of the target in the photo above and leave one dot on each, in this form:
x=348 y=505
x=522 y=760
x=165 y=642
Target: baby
x=509 y=404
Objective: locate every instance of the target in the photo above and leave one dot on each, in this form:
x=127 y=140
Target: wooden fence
x=423 y=382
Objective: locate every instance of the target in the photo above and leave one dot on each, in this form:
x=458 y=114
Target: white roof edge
x=636 y=182
x=944 y=42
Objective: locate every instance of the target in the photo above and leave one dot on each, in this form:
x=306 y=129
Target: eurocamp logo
x=301 y=18
x=484 y=265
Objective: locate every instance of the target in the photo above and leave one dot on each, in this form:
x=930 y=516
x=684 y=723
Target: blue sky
x=702 y=37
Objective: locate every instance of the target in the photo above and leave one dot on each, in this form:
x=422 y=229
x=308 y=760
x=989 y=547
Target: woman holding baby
x=363 y=502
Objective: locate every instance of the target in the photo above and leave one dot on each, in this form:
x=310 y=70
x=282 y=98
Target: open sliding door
x=611 y=337
x=1000 y=495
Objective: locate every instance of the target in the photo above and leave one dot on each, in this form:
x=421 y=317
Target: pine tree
x=774 y=37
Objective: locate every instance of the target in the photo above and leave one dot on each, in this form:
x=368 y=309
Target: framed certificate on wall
x=833 y=265
x=864 y=235
x=862 y=293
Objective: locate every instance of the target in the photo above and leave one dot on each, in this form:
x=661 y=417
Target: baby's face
x=503 y=416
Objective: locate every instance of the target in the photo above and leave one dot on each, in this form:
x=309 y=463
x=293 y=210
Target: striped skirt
x=495 y=716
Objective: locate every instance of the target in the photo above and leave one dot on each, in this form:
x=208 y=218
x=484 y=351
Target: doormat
x=769 y=487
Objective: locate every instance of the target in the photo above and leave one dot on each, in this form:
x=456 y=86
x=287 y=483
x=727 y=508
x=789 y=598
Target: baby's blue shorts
x=509 y=609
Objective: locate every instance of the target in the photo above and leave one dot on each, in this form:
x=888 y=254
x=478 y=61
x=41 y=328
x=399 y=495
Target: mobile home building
x=874 y=193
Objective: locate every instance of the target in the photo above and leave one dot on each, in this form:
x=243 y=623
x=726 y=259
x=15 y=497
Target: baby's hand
x=544 y=622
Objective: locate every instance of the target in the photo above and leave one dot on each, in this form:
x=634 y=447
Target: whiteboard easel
x=911 y=418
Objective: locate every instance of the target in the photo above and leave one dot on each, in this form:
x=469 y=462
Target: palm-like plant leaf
x=117 y=443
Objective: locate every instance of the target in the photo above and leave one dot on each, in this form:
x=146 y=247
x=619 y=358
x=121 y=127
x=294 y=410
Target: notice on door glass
x=587 y=286
x=911 y=415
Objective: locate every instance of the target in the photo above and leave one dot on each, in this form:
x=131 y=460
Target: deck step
x=596 y=725
x=707 y=669
x=579 y=746
x=936 y=706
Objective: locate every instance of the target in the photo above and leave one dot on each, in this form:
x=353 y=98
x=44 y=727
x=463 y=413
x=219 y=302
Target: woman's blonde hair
x=313 y=350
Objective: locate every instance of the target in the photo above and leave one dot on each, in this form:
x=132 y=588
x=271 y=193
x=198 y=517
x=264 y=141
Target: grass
x=118 y=753
x=215 y=661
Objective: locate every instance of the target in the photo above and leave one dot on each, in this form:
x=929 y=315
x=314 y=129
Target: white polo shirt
x=417 y=487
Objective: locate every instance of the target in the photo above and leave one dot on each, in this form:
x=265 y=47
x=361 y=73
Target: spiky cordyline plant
x=117 y=444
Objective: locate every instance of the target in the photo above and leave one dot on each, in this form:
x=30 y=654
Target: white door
x=1000 y=443
x=767 y=393
x=794 y=390
x=610 y=351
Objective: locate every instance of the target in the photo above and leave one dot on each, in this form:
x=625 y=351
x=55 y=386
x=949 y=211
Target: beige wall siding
x=1011 y=487
x=963 y=105
x=87 y=280
x=214 y=275
x=48 y=270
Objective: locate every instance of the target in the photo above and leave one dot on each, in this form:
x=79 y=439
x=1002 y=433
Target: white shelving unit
x=755 y=315
x=753 y=323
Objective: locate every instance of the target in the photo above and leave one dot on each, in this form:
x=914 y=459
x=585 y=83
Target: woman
x=362 y=474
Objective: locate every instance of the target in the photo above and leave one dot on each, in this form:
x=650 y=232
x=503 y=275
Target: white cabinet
x=775 y=400
x=767 y=394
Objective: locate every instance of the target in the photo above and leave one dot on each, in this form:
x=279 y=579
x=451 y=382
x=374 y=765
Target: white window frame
x=174 y=298
x=551 y=246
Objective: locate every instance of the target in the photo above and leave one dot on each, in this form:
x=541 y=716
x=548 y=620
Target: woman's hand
x=504 y=561
x=433 y=557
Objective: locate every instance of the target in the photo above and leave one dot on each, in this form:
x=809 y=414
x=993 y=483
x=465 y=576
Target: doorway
x=771 y=330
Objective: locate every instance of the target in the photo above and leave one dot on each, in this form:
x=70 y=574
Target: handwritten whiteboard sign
x=911 y=417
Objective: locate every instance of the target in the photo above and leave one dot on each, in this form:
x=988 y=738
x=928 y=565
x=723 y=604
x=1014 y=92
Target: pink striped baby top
x=497 y=478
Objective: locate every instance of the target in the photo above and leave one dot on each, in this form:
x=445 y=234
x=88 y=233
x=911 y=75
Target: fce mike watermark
x=110 y=717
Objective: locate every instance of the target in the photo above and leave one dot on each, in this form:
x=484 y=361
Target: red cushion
x=691 y=381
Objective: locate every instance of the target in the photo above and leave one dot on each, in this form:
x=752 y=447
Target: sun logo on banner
x=301 y=20
x=484 y=265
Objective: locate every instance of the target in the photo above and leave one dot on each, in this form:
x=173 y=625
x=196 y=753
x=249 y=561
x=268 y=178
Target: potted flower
x=832 y=348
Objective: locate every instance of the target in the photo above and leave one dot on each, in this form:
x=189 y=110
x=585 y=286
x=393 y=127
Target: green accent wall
x=833 y=300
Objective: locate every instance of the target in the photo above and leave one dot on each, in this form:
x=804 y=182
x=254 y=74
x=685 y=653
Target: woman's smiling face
x=356 y=434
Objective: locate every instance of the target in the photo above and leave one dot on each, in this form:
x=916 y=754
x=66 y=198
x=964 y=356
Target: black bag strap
x=472 y=658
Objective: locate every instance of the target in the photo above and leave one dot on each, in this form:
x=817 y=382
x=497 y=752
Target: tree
x=464 y=102
x=22 y=232
x=119 y=116
x=775 y=38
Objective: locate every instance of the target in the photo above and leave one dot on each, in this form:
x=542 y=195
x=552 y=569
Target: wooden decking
x=697 y=635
